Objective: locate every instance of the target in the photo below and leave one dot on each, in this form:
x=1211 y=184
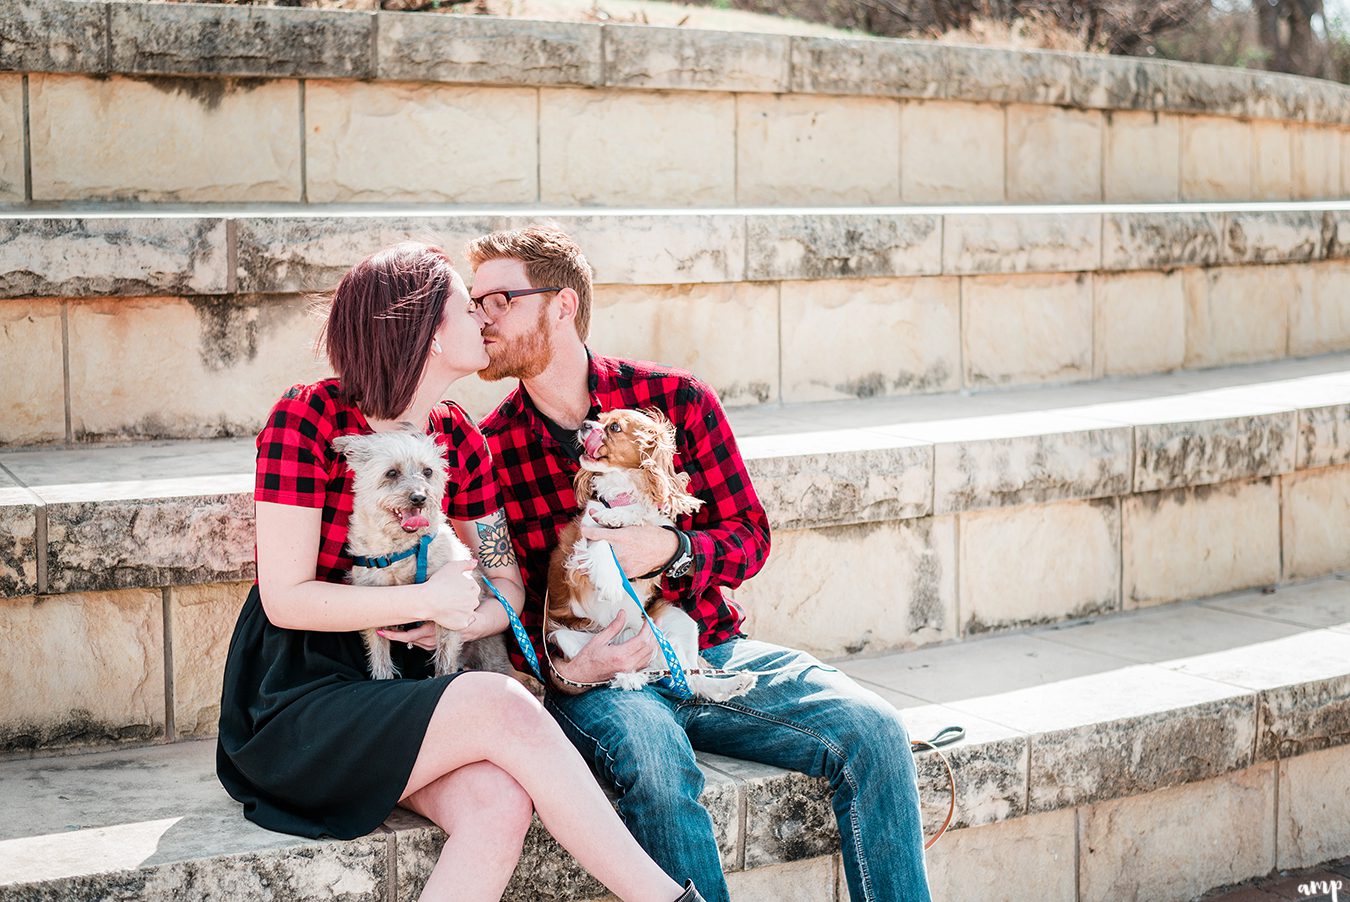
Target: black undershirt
x=568 y=438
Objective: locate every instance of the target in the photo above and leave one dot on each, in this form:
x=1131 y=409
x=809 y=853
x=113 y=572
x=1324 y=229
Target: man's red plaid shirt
x=730 y=533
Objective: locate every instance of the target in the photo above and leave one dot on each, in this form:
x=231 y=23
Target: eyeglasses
x=496 y=303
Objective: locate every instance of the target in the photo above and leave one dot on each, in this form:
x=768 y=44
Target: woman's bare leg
x=491 y=717
x=485 y=814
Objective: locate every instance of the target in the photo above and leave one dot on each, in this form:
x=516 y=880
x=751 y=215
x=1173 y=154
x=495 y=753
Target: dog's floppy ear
x=665 y=429
x=356 y=448
x=667 y=488
x=584 y=486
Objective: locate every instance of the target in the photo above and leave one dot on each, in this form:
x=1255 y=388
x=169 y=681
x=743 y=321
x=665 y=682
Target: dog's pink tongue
x=594 y=440
x=414 y=520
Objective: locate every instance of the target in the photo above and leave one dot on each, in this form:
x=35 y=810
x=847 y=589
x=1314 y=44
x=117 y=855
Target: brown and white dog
x=627 y=478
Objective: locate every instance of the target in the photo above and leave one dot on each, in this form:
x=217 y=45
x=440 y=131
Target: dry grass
x=1033 y=33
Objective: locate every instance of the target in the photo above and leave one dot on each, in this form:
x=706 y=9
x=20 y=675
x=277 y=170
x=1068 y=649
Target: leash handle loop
x=946 y=736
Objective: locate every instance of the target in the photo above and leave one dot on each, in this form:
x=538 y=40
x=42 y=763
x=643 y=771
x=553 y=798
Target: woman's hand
x=451 y=595
x=423 y=636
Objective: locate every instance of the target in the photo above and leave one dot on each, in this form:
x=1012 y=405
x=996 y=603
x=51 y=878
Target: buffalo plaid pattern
x=730 y=533
x=298 y=466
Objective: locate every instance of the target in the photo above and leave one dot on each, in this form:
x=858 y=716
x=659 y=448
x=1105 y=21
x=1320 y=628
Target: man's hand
x=641 y=549
x=598 y=660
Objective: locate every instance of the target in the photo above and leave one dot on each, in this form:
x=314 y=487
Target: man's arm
x=730 y=536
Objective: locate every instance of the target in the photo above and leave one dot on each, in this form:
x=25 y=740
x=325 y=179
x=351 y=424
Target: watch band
x=684 y=556
x=683 y=547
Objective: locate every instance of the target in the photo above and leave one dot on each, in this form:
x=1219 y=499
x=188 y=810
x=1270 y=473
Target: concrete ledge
x=110 y=255
x=67 y=254
x=98 y=38
x=943 y=298
x=1119 y=717
x=197 y=39
x=178 y=514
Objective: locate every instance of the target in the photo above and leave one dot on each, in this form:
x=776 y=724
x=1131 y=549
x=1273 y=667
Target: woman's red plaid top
x=730 y=533
x=298 y=466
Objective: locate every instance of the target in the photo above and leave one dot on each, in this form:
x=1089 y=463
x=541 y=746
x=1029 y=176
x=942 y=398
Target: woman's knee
x=482 y=795
x=493 y=797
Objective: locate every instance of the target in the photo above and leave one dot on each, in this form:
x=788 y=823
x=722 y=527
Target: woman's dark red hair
x=380 y=322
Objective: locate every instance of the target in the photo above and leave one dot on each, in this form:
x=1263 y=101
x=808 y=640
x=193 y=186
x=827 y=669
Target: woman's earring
x=435 y=345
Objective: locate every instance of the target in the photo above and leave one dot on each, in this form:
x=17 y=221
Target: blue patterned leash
x=679 y=684
x=518 y=628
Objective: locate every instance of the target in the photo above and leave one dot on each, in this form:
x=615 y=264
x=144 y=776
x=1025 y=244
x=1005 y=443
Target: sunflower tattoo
x=494 y=542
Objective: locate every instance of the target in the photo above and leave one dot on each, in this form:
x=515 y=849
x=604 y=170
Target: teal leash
x=384 y=560
x=518 y=628
x=679 y=683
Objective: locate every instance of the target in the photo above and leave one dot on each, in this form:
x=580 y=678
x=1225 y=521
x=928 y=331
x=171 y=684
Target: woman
x=308 y=742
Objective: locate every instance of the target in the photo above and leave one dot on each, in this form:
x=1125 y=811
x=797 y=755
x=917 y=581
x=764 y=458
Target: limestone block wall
x=815 y=305
x=890 y=583
x=884 y=539
x=189 y=104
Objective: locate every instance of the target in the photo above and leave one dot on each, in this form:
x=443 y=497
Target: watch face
x=681 y=566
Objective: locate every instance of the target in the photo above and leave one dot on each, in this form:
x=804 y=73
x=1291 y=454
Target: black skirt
x=309 y=743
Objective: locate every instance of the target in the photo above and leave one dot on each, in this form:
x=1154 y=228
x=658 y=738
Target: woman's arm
x=288 y=546
x=490 y=542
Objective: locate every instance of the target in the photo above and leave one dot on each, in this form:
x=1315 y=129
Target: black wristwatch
x=684 y=555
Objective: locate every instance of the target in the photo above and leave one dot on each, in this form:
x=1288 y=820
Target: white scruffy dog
x=398 y=481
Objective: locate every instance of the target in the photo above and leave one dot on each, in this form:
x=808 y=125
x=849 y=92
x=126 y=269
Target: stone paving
x=1152 y=735
x=1304 y=885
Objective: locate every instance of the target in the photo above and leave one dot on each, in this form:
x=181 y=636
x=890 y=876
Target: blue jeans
x=813 y=720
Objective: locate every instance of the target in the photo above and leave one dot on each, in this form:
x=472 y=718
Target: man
x=534 y=287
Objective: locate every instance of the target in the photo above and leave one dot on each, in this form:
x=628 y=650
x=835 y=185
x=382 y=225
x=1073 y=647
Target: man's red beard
x=521 y=358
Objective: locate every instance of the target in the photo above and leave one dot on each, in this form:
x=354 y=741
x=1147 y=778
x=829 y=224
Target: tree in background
x=1281 y=35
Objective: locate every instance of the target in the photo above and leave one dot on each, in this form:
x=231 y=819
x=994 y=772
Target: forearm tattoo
x=494 y=542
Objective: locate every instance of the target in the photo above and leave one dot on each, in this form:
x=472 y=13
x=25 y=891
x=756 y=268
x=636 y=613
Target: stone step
x=1151 y=755
x=768 y=305
x=133 y=101
x=938 y=518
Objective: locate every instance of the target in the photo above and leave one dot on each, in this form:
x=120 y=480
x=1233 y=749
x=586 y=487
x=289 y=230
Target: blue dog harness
x=420 y=549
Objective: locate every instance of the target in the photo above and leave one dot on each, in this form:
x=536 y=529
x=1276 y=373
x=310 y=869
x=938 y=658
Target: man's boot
x=690 y=894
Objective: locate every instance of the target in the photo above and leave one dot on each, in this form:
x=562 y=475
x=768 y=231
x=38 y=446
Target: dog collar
x=420 y=549
x=622 y=500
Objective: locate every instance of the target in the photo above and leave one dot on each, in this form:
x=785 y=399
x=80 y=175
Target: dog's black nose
x=417 y=497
